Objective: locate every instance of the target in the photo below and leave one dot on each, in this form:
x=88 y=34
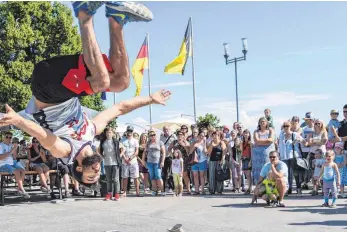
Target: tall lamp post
x=235 y=60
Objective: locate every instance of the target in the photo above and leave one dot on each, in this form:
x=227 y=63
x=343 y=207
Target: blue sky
x=296 y=61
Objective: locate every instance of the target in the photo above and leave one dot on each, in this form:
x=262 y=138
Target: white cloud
x=173 y=84
x=309 y=52
x=139 y=121
x=252 y=109
x=170 y=114
x=267 y=100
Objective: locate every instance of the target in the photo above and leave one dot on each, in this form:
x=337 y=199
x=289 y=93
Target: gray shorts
x=130 y=170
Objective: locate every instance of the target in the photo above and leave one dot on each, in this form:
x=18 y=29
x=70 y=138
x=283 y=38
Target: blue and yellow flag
x=178 y=65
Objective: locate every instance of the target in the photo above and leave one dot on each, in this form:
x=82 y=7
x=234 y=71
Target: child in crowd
x=267 y=113
x=341 y=161
x=237 y=164
x=331 y=179
x=317 y=166
x=333 y=124
x=177 y=172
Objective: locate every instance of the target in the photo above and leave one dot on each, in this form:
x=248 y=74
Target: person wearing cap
x=333 y=123
x=130 y=166
x=307 y=132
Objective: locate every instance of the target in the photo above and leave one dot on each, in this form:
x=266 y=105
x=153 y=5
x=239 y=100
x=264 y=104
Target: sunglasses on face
x=35 y=141
x=152 y=135
x=345 y=112
x=334 y=113
x=317 y=124
x=285 y=126
x=272 y=157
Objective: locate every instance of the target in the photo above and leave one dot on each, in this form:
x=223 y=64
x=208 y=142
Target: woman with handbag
x=288 y=145
x=199 y=148
x=216 y=151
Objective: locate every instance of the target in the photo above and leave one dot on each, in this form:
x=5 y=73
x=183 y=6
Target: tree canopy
x=29 y=33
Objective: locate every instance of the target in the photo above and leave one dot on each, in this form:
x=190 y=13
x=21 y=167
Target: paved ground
x=228 y=212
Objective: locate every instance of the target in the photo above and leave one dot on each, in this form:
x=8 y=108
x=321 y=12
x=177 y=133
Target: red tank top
x=246 y=151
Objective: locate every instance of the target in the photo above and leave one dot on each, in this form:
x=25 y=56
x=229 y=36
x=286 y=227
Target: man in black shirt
x=342 y=132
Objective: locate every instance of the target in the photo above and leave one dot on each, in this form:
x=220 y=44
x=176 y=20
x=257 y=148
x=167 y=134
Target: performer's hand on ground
x=161 y=97
x=10 y=118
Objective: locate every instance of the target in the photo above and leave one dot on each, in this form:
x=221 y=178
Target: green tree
x=29 y=33
x=207 y=121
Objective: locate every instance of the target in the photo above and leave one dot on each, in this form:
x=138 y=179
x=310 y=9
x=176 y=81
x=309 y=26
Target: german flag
x=178 y=65
x=140 y=64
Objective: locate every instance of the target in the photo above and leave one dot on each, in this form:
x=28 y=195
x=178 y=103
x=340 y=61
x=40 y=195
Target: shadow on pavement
x=325 y=223
x=341 y=209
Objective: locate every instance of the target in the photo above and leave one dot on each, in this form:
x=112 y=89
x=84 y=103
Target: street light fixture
x=235 y=60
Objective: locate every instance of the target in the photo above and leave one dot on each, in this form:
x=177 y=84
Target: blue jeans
x=154 y=171
x=200 y=167
x=11 y=168
x=102 y=168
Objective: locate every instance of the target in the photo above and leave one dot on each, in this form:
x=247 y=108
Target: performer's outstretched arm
x=58 y=147
x=124 y=107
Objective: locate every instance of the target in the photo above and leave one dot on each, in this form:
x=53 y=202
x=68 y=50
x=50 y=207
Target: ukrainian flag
x=178 y=65
x=140 y=64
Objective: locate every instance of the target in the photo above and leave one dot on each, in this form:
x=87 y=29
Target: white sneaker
x=170 y=191
x=24 y=194
x=44 y=189
x=163 y=194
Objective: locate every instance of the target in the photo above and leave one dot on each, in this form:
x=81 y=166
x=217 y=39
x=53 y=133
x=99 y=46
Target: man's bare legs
x=120 y=78
x=125 y=186
x=99 y=81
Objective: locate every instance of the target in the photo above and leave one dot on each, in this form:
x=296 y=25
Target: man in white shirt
x=130 y=167
x=7 y=164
